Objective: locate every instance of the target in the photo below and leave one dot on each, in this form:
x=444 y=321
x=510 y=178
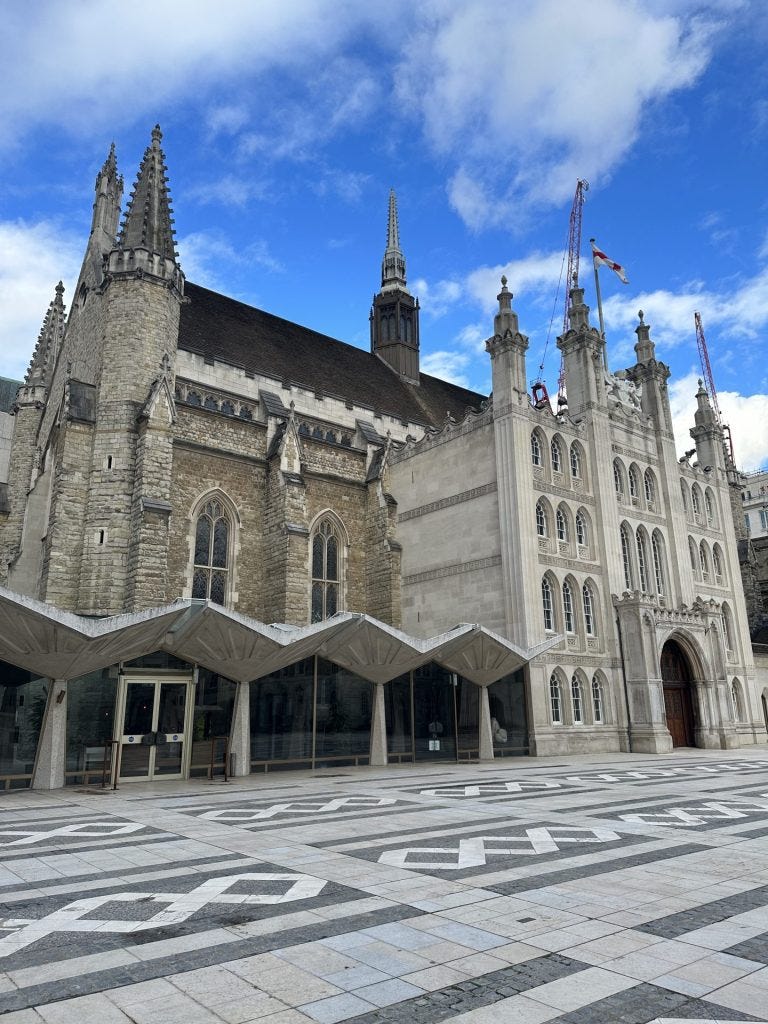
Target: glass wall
x=343 y=716
x=310 y=714
x=212 y=722
x=509 y=716
x=282 y=716
x=398 y=709
x=90 y=725
x=467 y=719
x=434 y=713
x=22 y=707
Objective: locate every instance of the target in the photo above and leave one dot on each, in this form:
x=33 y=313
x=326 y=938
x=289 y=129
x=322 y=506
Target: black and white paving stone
x=625 y=889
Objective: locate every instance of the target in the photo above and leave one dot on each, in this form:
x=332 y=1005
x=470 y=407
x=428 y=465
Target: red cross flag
x=601 y=260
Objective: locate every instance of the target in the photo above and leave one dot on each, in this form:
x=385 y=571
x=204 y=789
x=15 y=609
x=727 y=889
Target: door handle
x=149 y=739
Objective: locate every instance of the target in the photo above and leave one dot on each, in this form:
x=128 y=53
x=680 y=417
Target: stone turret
x=395 y=313
x=707 y=432
x=106 y=207
x=507 y=350
x=582 y=348
x=650 y=376
x=128 y=507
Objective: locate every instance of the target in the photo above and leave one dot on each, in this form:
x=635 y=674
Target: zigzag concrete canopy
x=50 y=642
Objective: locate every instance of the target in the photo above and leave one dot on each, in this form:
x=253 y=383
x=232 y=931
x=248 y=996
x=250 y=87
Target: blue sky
x=285 y=124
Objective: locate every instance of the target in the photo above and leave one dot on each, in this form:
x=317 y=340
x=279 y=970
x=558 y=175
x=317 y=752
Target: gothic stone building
x=185 y=469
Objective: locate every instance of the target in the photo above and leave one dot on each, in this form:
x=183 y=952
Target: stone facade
x=171 y=443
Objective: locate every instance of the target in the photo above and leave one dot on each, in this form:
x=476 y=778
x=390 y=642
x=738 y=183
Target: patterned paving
x=628 y=890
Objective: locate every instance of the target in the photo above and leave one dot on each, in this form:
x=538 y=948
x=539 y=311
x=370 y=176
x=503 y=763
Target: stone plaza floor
x=620 y=888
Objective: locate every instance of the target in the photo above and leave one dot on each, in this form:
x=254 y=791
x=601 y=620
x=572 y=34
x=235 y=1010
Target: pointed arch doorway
x=677 y=680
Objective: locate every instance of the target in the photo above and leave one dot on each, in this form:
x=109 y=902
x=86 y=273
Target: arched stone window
x=568 y=616
x=650 y=488
x=555 y=700
x=693 y=552
x=211 y=571
x=582 y=529
x=556 y=453
x=588 y=600
x=327 y=553
x=546 y=604
x=535 y=449
x=576 y=461
x=684 y=495
x=626 y=557
x=561 y=521
x=598 y=715
x=577 y=701
x=541 y=520
x=642 y=560
x=657 y=547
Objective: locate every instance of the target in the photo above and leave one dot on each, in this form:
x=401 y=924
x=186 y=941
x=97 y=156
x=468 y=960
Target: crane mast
x=709 y=383
x=572 y=280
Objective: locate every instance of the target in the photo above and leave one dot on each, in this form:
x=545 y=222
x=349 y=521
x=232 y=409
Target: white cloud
x=742 y=308
x=746 y=415
x=447 y=365
x=228 y=190
x=33 y=257
x=530 y=97
x=207 y=256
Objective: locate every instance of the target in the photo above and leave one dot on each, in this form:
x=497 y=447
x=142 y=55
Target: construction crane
x=709 y=384
x=572 y=280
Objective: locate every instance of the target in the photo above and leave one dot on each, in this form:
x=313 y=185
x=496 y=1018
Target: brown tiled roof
x=221 y=328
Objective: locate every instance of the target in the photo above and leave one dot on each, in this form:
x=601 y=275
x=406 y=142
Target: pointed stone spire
x=644 y=347
x=106 y=205
x=506 y=319
x=48 y=342
x=148 y=222
x=705 y=414
x=393 y=264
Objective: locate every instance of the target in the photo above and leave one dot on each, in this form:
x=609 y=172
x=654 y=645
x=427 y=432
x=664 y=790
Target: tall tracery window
x=557 y=456
x=642 y=561
x=634 y=484
x=650 y=487
x=555 y=700
x=696 y=504
x=597 y=701
x=589 y=609
x=568 y=616
x=210 y=576
x=562 y=525
x=709 y=508
x=626 y=558
x=576 y=699
x=717 y=565
x=658 y=564
x=535 y=449
x=546 y=603
x=575 y=462
x=581 y=529
x=541 y=520
x=326 y=571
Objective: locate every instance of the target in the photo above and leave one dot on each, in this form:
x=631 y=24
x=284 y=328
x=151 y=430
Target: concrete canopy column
x=378 y=728
x=51 y=759
x=240 y=733
x=484 y=726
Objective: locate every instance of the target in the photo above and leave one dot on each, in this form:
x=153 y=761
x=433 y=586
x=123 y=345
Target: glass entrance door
x=153 y=736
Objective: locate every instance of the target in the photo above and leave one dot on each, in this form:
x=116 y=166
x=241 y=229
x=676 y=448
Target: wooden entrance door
x=676 y=676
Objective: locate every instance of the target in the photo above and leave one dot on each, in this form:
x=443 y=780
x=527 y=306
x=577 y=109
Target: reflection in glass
x=434 y=714
x=397 y=702
x=139 y=704
x=22 y=706
x=509 y=718
x=344 y=703
x=170 y=718
x=90 y=722
x=281 y=714
x=467 y=712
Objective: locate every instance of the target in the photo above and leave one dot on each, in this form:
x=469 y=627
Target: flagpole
x=599 y=304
